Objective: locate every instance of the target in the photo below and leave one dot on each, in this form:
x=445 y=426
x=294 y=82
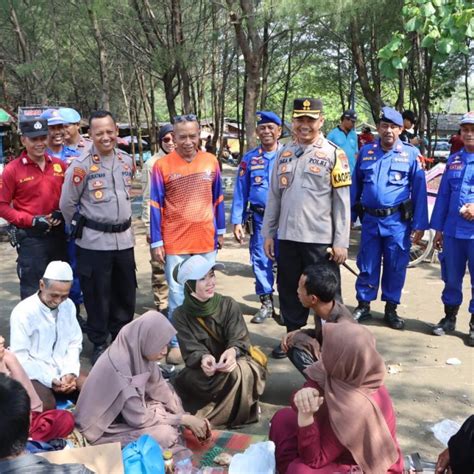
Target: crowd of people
x=68 y=202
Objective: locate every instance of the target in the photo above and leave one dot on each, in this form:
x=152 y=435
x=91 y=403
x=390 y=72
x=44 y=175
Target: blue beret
x=53 y=117
x=70 y=115
x=265 y=116
x=392 y=116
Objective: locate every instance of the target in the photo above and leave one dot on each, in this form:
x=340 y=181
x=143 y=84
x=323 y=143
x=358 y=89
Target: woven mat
x=221 y=441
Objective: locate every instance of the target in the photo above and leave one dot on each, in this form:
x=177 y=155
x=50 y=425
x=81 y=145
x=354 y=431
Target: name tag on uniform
x=257 y=167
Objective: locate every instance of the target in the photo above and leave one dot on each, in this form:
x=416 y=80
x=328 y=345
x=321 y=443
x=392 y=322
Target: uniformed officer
x=309 y=206
x=30 y=187
x=453 y=220
x=56 y=146
x=389 y=191
x=72 y=130
x=96 y=201
x=248 y=206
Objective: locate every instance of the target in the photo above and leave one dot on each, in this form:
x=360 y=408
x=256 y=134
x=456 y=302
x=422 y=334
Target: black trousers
x=109 y=285
x=300 y=359
x=34 y=254
x=293 y=258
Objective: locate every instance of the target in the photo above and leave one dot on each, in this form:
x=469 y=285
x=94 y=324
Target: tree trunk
x=371 y=92
x=265 y=65
x=103 y=61
x=401 y=91
x=466 y=82
x=288 y=78
x=169 y=93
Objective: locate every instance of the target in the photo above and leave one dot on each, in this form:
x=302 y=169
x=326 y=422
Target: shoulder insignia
x=341 y=173
x=78 y=175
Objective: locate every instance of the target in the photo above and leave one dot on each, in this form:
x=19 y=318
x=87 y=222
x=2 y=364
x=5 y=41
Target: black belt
x=387 y=211
x=100 y=226
x=257 y=209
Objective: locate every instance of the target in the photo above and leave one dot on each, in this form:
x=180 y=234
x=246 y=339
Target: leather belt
x=110 y=228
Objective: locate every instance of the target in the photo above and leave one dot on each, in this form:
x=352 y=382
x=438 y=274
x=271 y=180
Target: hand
x=286 y=340
x=239 y=233
x=338 y=254
x=42 y=223
x=442 y=465
x=158 y=254
x=228 y=361
x=269 y=248
x=468 y=212
x=220 y=241
x=56 y=386
x=68 y=383
x=416 y=236
x=199 y=426
x=3 y=367
x=438 y=240
x=208 y=365
x=308 y=400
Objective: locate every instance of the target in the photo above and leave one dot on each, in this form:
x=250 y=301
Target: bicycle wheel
x=421 y=251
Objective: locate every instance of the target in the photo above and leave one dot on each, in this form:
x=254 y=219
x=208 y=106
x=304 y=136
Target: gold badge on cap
x=306 y=105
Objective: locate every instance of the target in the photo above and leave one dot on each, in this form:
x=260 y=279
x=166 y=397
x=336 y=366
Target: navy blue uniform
x=251 y=187
x=380 y=181
x=456 y=189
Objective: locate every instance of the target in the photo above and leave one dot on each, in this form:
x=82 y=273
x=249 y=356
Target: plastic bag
x=258 y=458
x=444 y=430
x=143 y=456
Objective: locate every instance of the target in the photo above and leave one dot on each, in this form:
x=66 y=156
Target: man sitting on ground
x=14 y=428
x=46 y=337
x=316 y=290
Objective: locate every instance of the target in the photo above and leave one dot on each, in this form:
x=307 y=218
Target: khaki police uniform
x=96 y=197
x=309 y=207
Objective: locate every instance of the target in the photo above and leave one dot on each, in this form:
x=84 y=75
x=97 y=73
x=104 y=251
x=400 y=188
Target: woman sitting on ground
x=220 y=381
x=125 y=394
x=343 y=417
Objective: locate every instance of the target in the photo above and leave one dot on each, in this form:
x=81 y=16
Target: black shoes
x=470 y=337
x=362 y=312
x=391 y=317
x=448 y=323
x=97 y=352
x=278 y=352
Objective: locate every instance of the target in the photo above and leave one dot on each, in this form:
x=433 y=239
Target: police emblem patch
x=97 y=183
x=94 y=168
x=314 y=169
x=57 y=168
x=258 y=179
x=77 y=179
x=98 y=194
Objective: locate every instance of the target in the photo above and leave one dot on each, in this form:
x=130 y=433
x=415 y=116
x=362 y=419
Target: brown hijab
x=350 y=370
x=123 y=371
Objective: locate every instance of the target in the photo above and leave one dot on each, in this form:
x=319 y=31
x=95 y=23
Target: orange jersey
x=186 y=204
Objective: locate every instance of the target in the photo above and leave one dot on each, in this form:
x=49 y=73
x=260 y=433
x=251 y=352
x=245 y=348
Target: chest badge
x=258 y=179
x=57 y=168
x=98 y=194
x=314 y=169
x=285 y=154
x=94 y=168
x=96 y=159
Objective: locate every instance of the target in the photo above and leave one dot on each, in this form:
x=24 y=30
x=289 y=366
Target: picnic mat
x=221 y=441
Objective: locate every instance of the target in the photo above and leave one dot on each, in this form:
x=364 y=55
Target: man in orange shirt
x=186 y=209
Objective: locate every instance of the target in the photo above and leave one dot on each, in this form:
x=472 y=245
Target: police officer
x=96 y=201
x=72 y=130
x=30 y=187
x=248 y=206
x=453 y=220
x=389 y=191
x=56 y=146
x=309 y=205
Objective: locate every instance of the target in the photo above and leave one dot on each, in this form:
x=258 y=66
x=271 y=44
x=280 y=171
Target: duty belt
x=110 y=228
x=257 y=209
x=386 y=211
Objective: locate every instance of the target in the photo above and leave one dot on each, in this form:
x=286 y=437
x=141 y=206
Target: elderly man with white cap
x=46 y=337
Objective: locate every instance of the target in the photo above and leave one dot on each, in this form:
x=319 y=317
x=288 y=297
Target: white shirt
x=46 y=342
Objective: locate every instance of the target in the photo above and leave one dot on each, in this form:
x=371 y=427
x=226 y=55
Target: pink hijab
x=123 y=371
x=10 y=366
x=349 y=371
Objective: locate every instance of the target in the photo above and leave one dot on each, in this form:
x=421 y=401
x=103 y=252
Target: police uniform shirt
x=309 y=198
x=456 y=189
x=384 y=179
x=253 y=181
x=101 y=186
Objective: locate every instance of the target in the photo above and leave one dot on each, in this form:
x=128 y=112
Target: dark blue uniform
x=381 y=181
x=251 y=187
x=456 y=189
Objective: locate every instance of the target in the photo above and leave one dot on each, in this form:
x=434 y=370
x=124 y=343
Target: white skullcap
x=59 y=271
x=194 y=268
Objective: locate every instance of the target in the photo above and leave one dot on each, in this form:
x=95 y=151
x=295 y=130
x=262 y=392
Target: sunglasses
x=167 y=139
x=185 y=118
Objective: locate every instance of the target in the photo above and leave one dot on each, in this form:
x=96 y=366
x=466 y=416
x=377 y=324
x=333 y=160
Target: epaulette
x=332 y=144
